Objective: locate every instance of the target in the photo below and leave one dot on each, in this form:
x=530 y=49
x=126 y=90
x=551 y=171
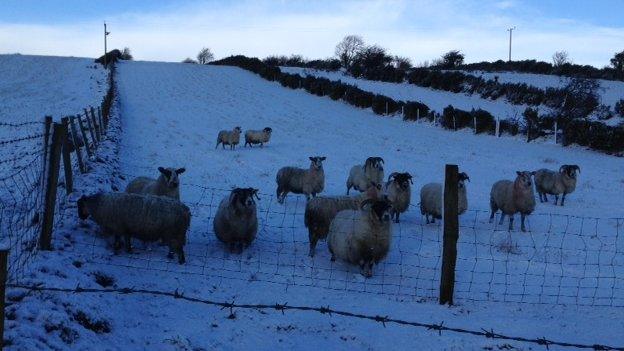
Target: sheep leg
x=128 y=240
x=556 y=199
x=562 y=198
x=545 y=197
x=348 y=188
x=522 y=217
x=396 y=216
x=511 y=219
x=502 y=218
x=217 y=145
x=261 y=144
x=427 y=218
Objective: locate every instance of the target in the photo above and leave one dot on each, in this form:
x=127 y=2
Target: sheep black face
x=317 y=162
x=171 y=176
x=402 y=179
x=380 y=209
x=524 y=177
x=268 y=130
x=374 y=162
x=243 y=198
x=570 y=170
x=463 y=177
x=238 y=129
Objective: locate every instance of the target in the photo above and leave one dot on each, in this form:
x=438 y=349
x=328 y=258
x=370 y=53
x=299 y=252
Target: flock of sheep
x=357 y=228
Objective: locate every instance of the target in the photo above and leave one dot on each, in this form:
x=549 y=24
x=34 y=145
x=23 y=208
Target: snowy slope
x=437 y=100
x=32 y=87
x=170 y=116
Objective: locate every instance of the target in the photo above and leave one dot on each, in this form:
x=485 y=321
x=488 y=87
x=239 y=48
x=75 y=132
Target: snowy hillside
x=170 y=115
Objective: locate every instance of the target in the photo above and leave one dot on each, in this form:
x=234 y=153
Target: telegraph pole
x=510 y=30
x=105 y=35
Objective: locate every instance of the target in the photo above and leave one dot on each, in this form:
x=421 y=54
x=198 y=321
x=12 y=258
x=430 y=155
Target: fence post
x=403 y=111
x=474 y=122
x=101 y=121
x=556 y=132
x=386 y=107
x=96 y=125
x=67 y=166
x=497 y=127
x=528 y=132
x=4 y=255
x=417 y=114
x=84 y=135
x=45 y=239
x=454 y=123
x=74 y=135
x=91 y=128
x=451 y=235
x=46 y=139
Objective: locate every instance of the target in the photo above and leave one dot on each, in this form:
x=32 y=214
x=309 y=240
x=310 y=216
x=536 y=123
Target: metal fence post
x=451 y=235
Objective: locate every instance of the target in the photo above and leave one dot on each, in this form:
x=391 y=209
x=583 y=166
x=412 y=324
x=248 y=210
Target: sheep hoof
x=333 y=258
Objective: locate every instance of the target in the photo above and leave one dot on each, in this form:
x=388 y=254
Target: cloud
x=420 y=30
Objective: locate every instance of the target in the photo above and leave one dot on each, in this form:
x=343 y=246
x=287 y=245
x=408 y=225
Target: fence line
x=325 y=310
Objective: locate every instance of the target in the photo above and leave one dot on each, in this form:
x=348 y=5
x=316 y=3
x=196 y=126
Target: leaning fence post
x=91 y=128
x=46 y=139
x=451 y=235
x=96 y=125
x=74 y=135
x=4 y=256
x=69 y=182
x=84 y=135
x=45 y=239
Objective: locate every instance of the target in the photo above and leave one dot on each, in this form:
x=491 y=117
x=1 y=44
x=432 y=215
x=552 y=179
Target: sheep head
x=379 y=210
x=374 y=162
x=237 y=130
x=524 y=179
x=170 y=175
x=403 y=180
x=268 y=130
x=243 y=198
x=316 y=162
x=570 y=170
x=463 y=177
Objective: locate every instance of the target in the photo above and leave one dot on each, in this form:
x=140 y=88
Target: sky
x=163 y=30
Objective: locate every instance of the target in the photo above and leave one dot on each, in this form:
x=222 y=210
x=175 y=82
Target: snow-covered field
x=170 y=115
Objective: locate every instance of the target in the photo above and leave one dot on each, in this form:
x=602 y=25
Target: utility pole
x=510 y=30
x=105 y=35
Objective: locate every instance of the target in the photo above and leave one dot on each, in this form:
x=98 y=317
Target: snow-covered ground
x=32 y=87
x=170 y=116
x=437 y=100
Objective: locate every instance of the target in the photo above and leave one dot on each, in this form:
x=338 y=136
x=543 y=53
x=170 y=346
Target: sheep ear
x=562 y=168
x=577 y=168
x=533 y=173
x=381 y=160
x=518 y=173
x=322 y=158
x=180 y=170
x=392 y=175
x=162 y=170
x=311 y=158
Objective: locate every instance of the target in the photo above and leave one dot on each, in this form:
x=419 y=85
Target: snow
x=170 y=114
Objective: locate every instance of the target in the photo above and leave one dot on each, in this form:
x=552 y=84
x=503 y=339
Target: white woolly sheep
x=399 y=192
x=229 y=137
x=555 y=183
x=362 y=237
x=145 y=217
x=167 y=184
x=257 y=136
x=513 y=197
x=361 y=176
x=321 y=210
x=309 y=181
x=236 y=221
x=431 y=196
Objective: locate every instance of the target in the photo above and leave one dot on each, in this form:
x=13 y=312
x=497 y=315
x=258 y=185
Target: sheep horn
x=393 y=174
x=366 y=202
x=577 y=168
x=562 y=168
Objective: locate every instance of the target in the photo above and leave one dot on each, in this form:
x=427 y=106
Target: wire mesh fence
x=561 y=259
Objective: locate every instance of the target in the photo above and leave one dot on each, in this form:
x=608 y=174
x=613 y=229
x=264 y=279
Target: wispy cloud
x=421 y=30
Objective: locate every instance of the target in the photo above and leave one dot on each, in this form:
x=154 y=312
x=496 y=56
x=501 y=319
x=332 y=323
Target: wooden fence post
x=451 y=235
x=67 y=166
x=45 y=239
x=96 y=125
x=84 y=136
x=91 y=128
x=74 y=134
x=101 y=121
x=4 y=256
x=46 y=140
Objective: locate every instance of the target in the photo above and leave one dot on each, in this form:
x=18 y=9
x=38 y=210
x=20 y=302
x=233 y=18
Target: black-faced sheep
x=167 y=184
x=236 y=221
x=321 y=211
x=399 y=192
x=362 y=237
x=229 y=137
x=555 y=183
x=309 y=181
x=360 y=176
x=431 y=197
x=258 y=136
x=145 y=217
x=513 y=197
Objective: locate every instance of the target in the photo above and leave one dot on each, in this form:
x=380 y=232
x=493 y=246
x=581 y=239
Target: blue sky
x=591 y=31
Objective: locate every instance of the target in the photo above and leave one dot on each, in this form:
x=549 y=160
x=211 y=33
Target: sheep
x=167 y=184
x=227 y=137
x=431 y=196
x=399 y=192
x=145 y=217
x=258 y=136
x=236 y=221
x=555 y=183
x=362 y=237
x=301 y=181
x=512 y=197
x=320 y=211
x=361 y=176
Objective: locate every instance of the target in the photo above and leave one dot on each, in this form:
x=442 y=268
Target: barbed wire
x=16 y=125
x=17 y=140
x=386 y=320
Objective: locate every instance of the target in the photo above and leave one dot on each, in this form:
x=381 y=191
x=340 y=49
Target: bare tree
x=126 y=54
x=204 y=56
x=451 y=59
x=402 y=62
x=560 y=58
x=348 y=48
